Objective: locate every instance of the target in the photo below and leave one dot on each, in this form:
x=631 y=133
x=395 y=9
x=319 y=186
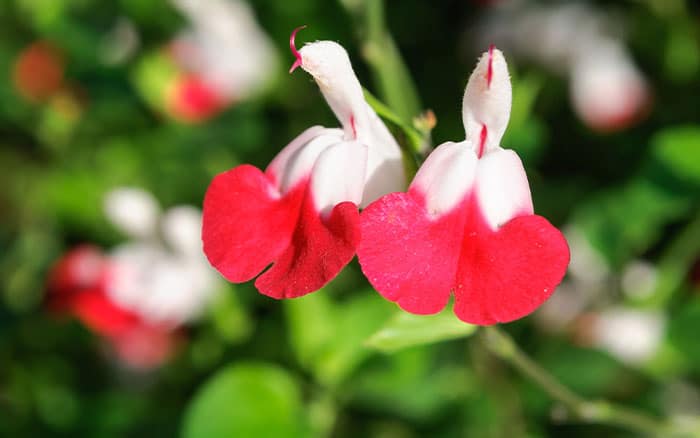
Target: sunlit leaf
x=679 y=149
x=407 y=330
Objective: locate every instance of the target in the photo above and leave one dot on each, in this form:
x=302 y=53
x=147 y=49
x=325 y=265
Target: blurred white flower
x=632 y=336
x=225 y=47
x=639 y=279
x=563 y=307
x=120 y=43
x=587 y=265
x=165 y=281
x=607 y=90
x=132 y=211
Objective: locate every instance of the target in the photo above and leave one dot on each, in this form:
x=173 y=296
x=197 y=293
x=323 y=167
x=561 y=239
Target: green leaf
x=251 y=399
x=328 y=336
x=354 y=321
x=679 y=149
x=311 y=324
x=390 y=383
x=407 y=330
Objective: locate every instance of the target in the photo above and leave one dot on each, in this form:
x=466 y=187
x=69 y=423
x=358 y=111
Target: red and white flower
x=77 y=287
x=224 y=57
x=466 y=225
x=139 y=296
x=161 y=273
x=301 y=213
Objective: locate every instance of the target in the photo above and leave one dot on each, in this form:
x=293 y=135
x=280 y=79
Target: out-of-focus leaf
x=678 y=148
x=625 y=222
x=311 y=323
x=328 y=337
x=354 y=321
x=683 y=333
x=391 y=383
x=407 y=330
x=246 y=400
x=152 y=75
x=682 y=52
x=229 y=317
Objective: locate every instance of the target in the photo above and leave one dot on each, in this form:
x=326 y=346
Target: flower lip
x=292 y=47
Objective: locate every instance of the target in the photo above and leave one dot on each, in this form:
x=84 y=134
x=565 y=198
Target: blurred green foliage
x=310 y=367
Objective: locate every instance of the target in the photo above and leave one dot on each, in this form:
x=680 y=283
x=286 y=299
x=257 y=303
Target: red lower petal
x=409 y=258
x=318 y=251
x=497 y=276
x=507 y=274
x=246 y=228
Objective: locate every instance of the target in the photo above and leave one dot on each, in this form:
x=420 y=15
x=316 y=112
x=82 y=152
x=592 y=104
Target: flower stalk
x=499 y=343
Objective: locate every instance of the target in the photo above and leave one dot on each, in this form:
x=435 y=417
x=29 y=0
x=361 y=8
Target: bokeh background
x=113 y=111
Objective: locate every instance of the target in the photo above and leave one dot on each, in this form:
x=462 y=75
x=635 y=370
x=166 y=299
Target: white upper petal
x=502 y=188
x=339 y=175
x=487 y=103
x=296 y=160
x=132 y=210
x=329 y=64
x=446 y=176
x=385 y=170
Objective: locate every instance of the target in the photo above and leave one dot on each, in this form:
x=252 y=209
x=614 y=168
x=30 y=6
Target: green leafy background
x=341 y=362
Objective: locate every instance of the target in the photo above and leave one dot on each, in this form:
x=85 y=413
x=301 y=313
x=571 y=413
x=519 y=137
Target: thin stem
x=589 y=411
x=675 y=263
x=391 y=75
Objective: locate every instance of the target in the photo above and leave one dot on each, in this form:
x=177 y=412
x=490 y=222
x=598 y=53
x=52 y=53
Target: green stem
x=393 y=79
x=589 y=411
x=675 y=263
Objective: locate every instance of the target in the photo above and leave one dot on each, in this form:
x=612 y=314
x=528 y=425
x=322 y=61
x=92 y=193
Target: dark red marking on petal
x=293 y=48
x=352 y=125
x=489 y=70
x=482 y=140
x=496 y=276
x=247 y=227
x=318 y=251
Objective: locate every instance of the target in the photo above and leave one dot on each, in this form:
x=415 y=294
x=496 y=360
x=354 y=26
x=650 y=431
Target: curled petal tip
x=292 y=47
